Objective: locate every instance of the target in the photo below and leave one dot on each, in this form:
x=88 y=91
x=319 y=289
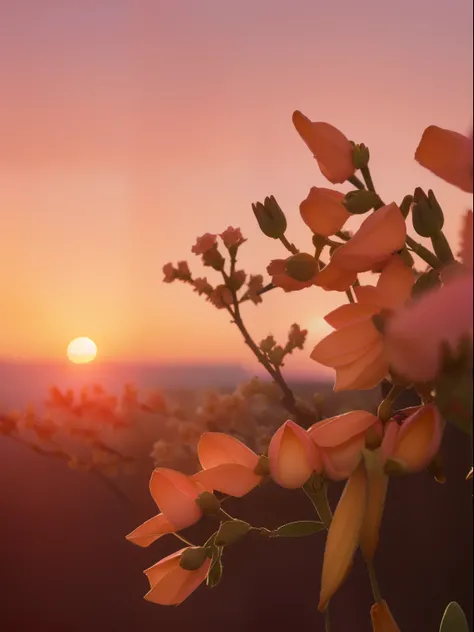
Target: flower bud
x=442 y=248
x=405 y=205
x=193 y=558
x=426 y=282
x=213 y=259
x=301 y=267
x=270 y=218
x=208 y=503
x=426 y=213
x=359 y=202
x=360 y=156
x=406 y=257
x=231 y=531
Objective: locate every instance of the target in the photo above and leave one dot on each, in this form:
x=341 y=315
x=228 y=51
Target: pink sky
x=130 y=127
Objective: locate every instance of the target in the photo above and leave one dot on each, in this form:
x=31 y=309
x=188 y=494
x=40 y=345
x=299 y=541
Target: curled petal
x=346 y=345
x=329 y=146
x=343 y=535
x=151 y=530
x=293 y=456
x=323 y=212
x=175 y=494
x=380 y=235
x=395 y=283
x=337 y=430
x=382 y=620
x=418 y=439
x=170 y=584
x=229 y=478
x=448 y=155
x=350 y=313
x=414 y=336
x=364 y=373
x=377 y=482
x=217 y=448
x=335 y=278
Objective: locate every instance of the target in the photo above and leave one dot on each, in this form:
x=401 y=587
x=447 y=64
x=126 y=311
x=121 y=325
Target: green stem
x=350 y=296
x=374 y=584
x=424 y=253
x=288 y=246
x=327 y=620
x=356 y=182
x=365 y=171
x=183 y=539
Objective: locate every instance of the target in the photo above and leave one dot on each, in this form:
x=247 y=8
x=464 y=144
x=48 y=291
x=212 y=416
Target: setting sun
x=81 y=350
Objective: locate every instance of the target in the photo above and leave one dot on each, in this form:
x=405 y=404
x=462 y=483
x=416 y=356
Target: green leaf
x=215 y=570
x=454 y=619
x=231 y=531
x=297 y=529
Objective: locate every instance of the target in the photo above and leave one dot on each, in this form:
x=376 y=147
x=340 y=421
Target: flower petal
x=343 y=535
x=229 y=478
x=350 y=313
x=382 y=620
x=364 y=373
x=335 y=278
x=448 y=155
x=322 y=211
x=368 y=295
x=377 y=482
x=175 y=494
x=217 y=448
x=395 y=283
x=346 y=345
x=151 y=530
x=335 y=431
x=293 y=456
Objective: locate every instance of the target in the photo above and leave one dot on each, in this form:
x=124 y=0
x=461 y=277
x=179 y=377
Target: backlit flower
x=331 y=149
x=323 y=211
x=232 y=236
x=170 y=584
x=356 y=350
x=293 y=456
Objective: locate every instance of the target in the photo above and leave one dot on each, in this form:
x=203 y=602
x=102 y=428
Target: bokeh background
x=128 y=128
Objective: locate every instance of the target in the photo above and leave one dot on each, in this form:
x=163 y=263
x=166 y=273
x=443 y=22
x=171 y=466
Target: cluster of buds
x=276 y=353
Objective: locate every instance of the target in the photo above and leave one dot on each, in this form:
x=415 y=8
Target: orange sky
x=129 y=128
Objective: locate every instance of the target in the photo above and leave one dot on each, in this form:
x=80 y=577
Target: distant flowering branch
x=411 y=329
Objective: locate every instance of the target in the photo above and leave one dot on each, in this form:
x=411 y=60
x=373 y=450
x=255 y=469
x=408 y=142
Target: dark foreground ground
x=66 y=567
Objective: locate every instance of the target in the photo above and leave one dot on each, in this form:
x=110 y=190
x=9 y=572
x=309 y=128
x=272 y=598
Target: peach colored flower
x=448 y=155
x=414 y=335
x=380 y=235
x=332 y=150
x=280 y=278
x=355 y=349
x=232 y=237
x=293 y=456
x=170 y=584
x=175 y=494
x=334 y=278
x=341 y=439
x=382 y=619
x=204 y=243
x=323 y=212
x=228 y=465
x=414 y=443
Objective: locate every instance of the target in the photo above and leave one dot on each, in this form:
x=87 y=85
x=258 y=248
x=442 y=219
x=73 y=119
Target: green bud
x=426 y=282
x=193 y=558
x=360 y=156
x=231 y=531
x=301 y=267
x=426 y=213
x=270 y=217
x=359 y=202
x=263 y=466
x=384 y=411
x=454 y=619
x=298 y=529
x=405 y=256
x=208 y=503
x=405 y=206
x=442 y=248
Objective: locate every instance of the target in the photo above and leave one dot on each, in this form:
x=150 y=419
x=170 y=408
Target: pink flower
x=204 y=243
x=380 y=235
x=448 y=155
x=414 y=443
x=228 y=465
x=175 y=494
x=324 y=212
x=415 y=334
x=355 y=349
x=232 y=237
x=293 y=456
x=332 y=150
x=341 y=439
x=280 y=278
x=170 y=584
x=170 y=273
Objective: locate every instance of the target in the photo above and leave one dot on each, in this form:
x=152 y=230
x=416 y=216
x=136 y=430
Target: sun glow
x=81 y=350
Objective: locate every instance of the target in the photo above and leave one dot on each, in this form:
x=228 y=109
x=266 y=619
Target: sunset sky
x=128 y=127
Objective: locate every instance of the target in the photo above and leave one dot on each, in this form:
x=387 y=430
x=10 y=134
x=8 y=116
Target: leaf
x=215 y=570
x=297 y=529
x=454 y=619
x=231 y=531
